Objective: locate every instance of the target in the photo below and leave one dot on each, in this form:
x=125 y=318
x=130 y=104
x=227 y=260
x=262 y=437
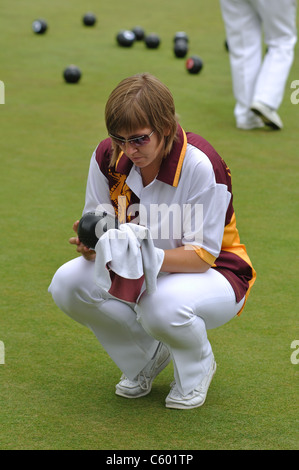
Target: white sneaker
x=254 y=122
x=267 y=114
x=195 y=398
x=142 y=384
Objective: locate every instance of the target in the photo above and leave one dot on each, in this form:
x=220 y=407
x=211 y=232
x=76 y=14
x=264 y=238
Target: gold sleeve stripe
x=204 y=255
x=231 y=241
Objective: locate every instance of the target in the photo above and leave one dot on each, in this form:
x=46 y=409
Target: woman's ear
x=166 y=132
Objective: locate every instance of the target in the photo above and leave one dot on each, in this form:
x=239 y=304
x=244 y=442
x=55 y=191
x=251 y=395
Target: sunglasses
x=135 y=141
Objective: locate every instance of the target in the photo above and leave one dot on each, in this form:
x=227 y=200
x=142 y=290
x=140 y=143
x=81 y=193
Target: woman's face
x=149 y=154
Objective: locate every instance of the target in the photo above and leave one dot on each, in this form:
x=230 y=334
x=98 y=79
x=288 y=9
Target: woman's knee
x=68 y=283
x=158 y=314
x=60 y=288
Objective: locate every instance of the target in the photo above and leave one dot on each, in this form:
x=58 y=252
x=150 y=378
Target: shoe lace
x=145 y=375
x=143 y=381
x=173 y=383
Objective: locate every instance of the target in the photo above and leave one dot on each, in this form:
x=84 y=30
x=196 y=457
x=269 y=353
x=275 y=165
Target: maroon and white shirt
x=189 y=203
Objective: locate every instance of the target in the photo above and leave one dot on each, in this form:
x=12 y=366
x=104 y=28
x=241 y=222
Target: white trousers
x=256 y=78
x=179 y=313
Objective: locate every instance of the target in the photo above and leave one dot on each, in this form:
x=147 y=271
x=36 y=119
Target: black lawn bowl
x=72 y=74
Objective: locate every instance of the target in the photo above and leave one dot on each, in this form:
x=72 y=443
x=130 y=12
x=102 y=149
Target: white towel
x=126 y=258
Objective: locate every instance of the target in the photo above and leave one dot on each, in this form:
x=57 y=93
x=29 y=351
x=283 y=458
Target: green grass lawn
x=57 y=383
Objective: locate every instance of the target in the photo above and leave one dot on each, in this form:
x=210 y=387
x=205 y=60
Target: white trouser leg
x=113 y=322
x=280 y=38
x=254 y=80
x=183 y=307
x=243 y=33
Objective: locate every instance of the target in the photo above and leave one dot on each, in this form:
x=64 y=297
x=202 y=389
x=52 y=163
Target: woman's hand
x=88 y=254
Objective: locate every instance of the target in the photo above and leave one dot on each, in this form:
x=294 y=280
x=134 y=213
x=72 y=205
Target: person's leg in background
x=279 y=23
x=244 y=37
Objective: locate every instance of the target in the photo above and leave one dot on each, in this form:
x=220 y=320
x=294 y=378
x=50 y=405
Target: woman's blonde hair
x=137 y=102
